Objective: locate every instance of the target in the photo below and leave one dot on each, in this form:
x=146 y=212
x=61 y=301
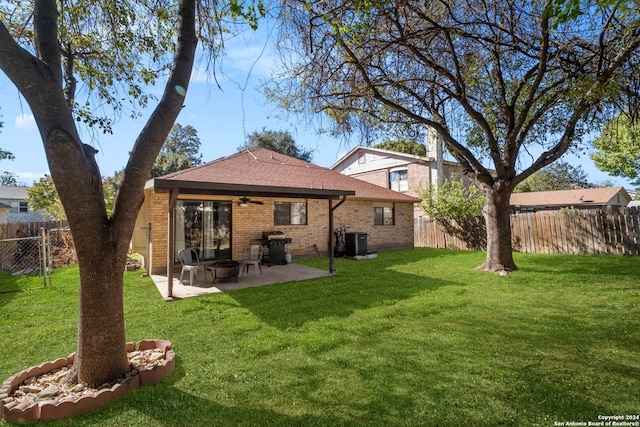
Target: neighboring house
x=19 y=210
x=4 y=212
x=406 y=173
x=223 y=207
x=581 y=198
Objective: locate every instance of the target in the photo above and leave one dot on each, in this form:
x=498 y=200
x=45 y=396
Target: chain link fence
x=60 y=249
x=27 y=260
x=22 y=262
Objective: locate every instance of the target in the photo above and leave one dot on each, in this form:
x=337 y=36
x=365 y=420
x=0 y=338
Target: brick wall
x=158 y=217
x=357 y=216
x=248 y=223
x=419 y=178
x=378 y=177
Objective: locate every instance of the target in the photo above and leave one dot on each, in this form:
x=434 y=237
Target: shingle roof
x=410 y=158
x=576 y=197
x=265 y=171
x=13 y=193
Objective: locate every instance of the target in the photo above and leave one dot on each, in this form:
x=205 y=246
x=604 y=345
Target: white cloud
x=248 y=54
x=28 y=178
x=255 y=59
x=25 y=122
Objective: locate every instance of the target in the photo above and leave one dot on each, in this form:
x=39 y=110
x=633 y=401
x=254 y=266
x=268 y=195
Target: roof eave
x=195 y=187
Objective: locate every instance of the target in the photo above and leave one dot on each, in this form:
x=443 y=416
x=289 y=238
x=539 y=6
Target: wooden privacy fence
x=612 y=230
x=27 y=229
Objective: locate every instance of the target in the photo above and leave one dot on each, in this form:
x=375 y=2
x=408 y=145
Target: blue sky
x=223 y=114
x=223 y=117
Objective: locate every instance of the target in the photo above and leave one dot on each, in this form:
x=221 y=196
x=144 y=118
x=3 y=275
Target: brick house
x=406 y=173
x=222 y=207
x=14 y=206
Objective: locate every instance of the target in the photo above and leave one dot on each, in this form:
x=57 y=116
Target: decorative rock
x=48 y=392
x=78 y=388
x=53 y=403
x=31 y=388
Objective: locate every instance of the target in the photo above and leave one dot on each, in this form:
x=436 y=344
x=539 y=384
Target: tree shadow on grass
x=169 y=405
x=291 y=305
x=388 y=389
x=11 y=283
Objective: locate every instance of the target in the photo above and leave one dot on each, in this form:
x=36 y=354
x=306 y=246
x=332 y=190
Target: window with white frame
x=399 y=179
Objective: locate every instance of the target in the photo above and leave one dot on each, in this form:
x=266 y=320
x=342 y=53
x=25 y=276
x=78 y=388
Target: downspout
x=332 y=267
x=171 y=239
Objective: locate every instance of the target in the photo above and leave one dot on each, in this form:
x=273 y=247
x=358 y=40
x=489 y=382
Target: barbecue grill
x=274 y=242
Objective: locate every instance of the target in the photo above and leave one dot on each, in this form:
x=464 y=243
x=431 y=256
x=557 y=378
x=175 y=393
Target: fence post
x=43 y=256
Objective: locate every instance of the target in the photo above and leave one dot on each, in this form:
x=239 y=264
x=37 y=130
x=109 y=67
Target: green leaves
x=43 y=195
x=563 y=11
x=180 y=151
x=452 y=199
x=278 y=141
x=556 y=176
x=618 y=148
x=408 y=147
x=250 y=11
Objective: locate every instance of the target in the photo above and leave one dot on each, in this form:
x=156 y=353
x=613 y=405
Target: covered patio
x=270 y=276
x=221 y=209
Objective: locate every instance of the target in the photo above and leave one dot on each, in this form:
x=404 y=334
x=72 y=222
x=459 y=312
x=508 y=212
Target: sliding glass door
x=204 y=227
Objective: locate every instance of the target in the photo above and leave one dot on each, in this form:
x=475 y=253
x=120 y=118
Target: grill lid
x=272 y=235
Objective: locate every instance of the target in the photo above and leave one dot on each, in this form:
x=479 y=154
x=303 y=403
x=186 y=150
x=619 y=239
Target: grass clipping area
x=413 y=337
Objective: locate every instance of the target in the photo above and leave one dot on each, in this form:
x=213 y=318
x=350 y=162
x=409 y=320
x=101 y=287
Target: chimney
x=434 y=154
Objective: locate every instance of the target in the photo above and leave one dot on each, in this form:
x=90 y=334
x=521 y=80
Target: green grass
x=9 y=283
x=411 y=338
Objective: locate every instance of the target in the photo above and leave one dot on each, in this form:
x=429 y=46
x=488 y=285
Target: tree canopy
x=279 y=141
x=180 y=151
x=556 y=176
x=407 y=147
x=509 y=86
x=618 y=148
x=43 y=196
x=452 y=199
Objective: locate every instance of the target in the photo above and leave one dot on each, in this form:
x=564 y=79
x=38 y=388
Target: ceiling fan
x=245 y=201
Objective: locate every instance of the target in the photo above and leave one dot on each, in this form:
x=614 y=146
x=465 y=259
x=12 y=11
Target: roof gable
x=13 y=192
x=264 y=171
x=353 y=155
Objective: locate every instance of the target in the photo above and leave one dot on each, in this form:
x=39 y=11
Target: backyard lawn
x=415 y=337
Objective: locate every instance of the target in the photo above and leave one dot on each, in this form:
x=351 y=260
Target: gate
x=22 y=259
x=26 y=261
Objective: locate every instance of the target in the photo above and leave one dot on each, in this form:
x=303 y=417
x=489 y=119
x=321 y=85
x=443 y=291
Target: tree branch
x=149 y=142
x=45 y=31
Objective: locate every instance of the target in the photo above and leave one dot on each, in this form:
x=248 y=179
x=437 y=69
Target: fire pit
x=225 y=269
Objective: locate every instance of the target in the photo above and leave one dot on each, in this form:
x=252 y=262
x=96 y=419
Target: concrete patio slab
x=270 y=275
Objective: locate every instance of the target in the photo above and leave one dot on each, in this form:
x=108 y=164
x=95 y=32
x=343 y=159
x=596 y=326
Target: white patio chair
x=186 y=257
x=255 y=259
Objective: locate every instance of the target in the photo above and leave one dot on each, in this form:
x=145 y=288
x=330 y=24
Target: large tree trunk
x=101 y=241
x=101 y=246
x=101 y=352
x=498 y=222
